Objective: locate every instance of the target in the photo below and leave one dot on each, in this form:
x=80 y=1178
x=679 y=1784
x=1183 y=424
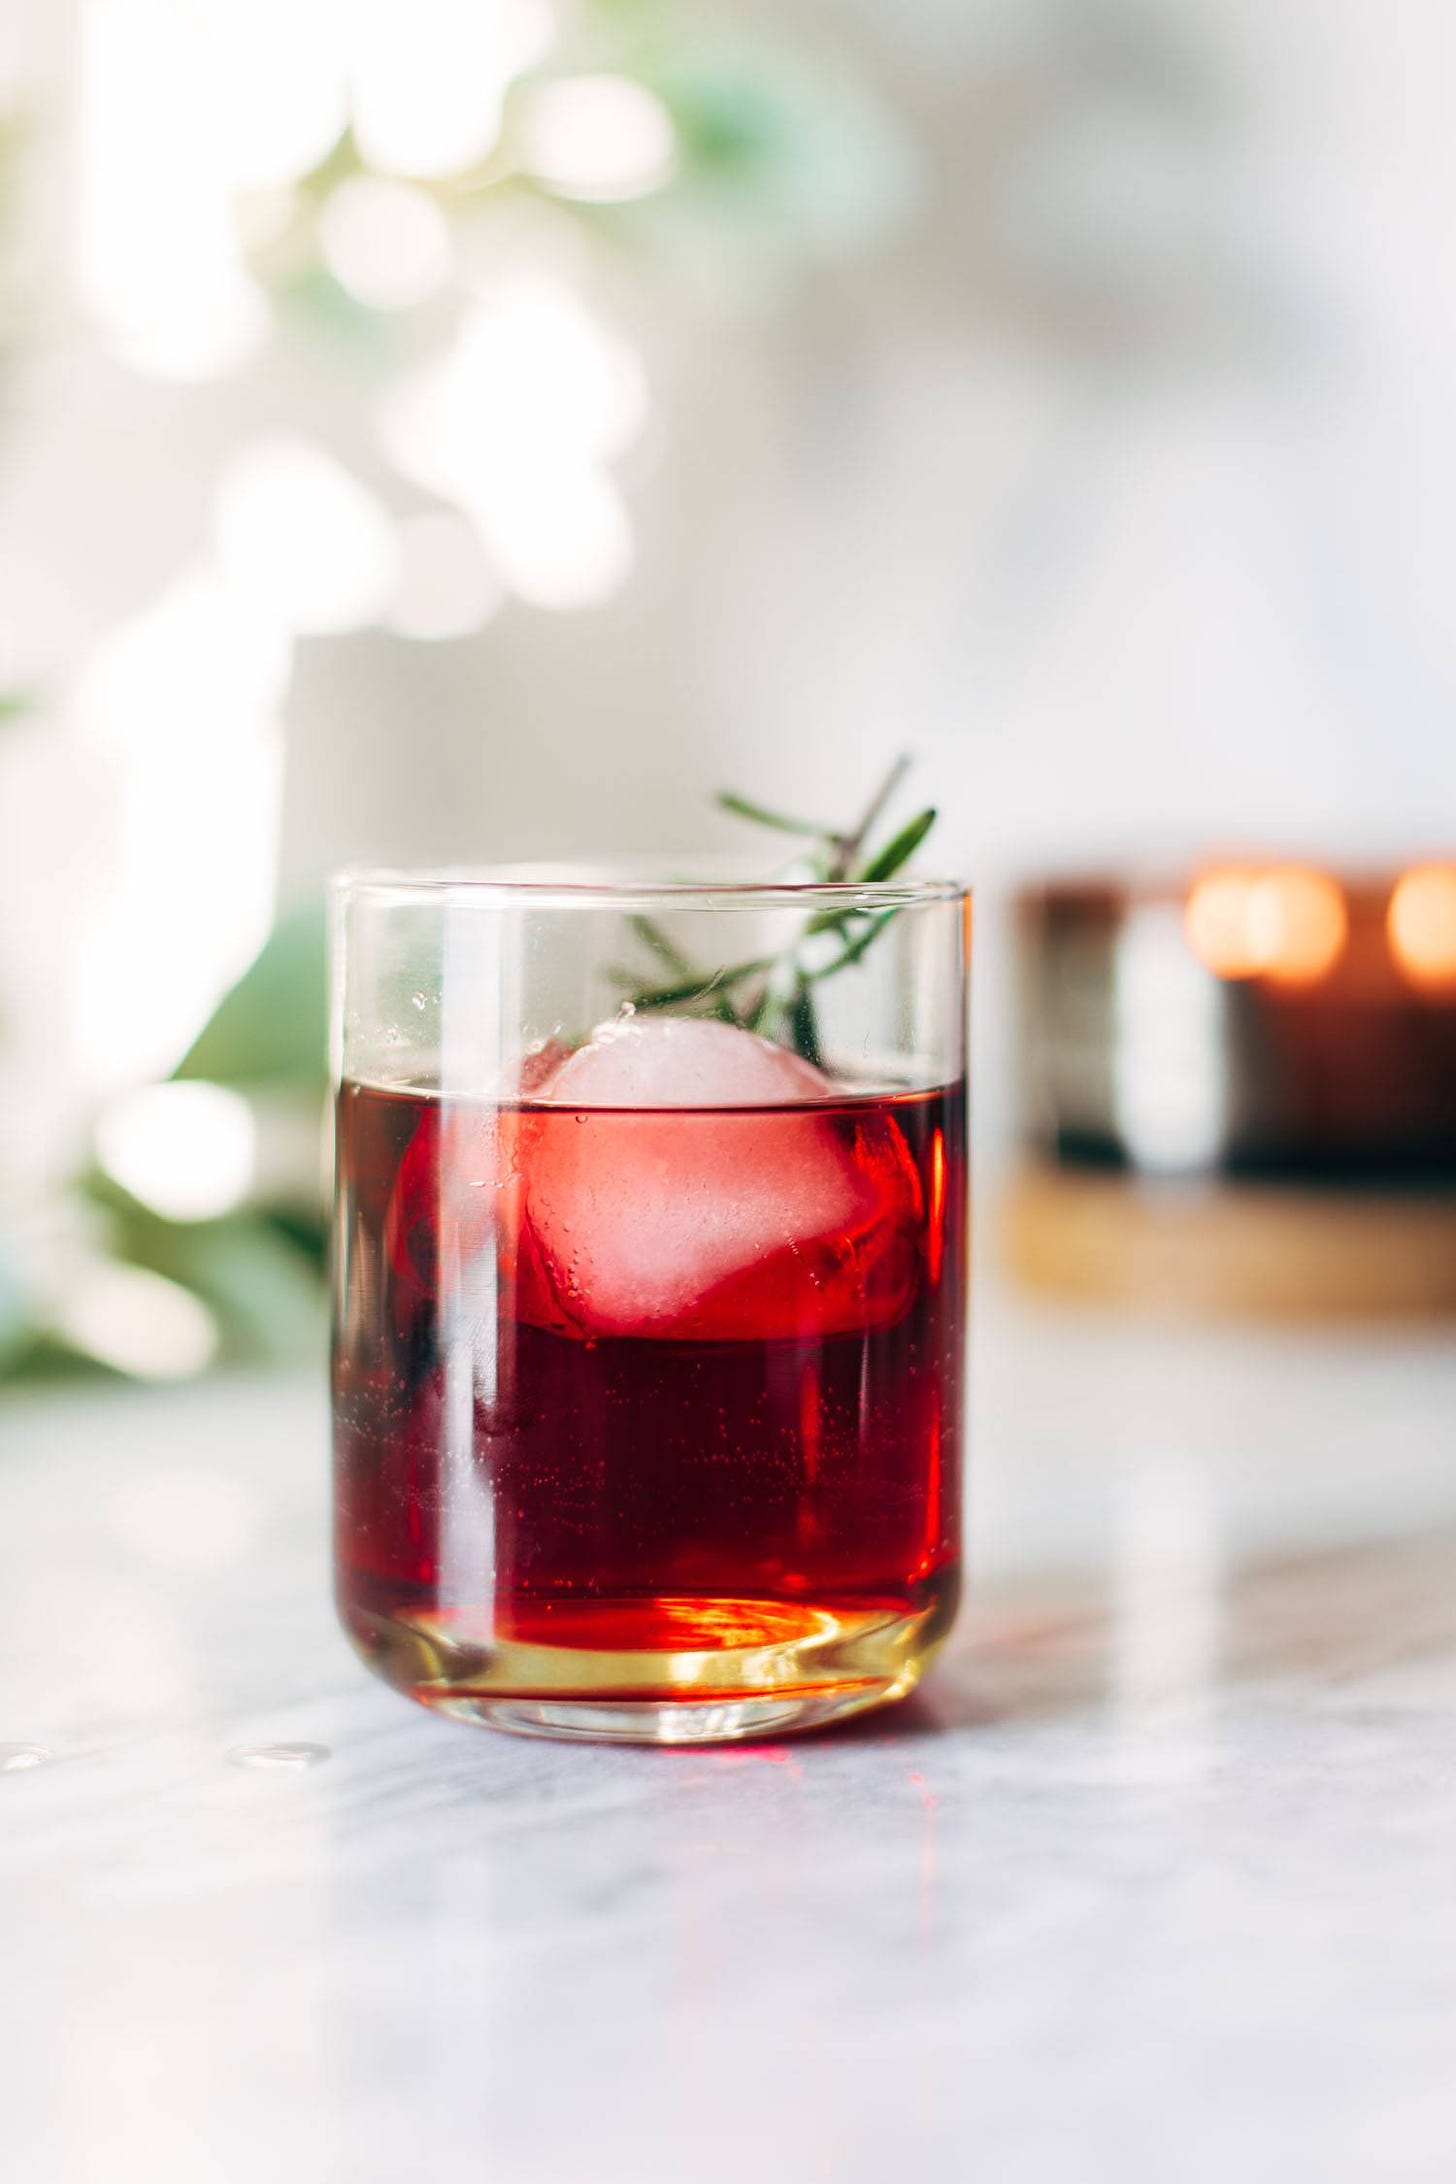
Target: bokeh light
x=560 y=535
x=186 y=1150
x=1288 y=924
x=294 y=530
x=159 y=261
x=1421 y=925
x=278 y=74
x=176 y=714
x=515 y=425
x=1216 y=923
x=137 y=1321
x=600 y=138
x=429 y=78
x=386 y=242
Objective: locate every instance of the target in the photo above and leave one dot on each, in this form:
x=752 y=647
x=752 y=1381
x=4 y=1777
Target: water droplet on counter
x=282 y=1757
x=22 y=1758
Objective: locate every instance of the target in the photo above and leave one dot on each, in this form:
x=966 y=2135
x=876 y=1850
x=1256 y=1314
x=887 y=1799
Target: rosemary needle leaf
x=856 y=947
x=887 y=862
x=652 y=936
x=700 y=988
x=671 y=997
x=804 y=1026
x=743 y=808
x=833 y=921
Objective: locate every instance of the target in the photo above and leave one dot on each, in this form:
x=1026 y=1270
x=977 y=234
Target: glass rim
x=549 y=886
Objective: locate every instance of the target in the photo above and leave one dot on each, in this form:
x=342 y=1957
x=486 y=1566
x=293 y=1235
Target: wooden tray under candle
x=1230 y=1249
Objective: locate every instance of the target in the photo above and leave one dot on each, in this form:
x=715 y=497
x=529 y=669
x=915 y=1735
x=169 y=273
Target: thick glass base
x=668 y=1721
x=679 y=1671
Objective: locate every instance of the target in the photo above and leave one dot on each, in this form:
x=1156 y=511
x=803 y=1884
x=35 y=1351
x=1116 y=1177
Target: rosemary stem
x=847 y=851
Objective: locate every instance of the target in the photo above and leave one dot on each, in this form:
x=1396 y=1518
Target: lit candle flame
x=1420 y=925
x=1288 y=924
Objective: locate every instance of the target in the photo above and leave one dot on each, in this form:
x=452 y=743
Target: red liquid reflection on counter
x=647 y=1381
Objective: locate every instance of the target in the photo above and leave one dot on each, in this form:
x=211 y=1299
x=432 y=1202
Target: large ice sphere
x=693 y=1181
x=681 y=1062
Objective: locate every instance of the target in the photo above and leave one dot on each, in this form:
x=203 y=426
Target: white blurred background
x=475 y=428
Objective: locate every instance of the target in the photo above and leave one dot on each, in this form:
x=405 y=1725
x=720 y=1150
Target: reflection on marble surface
x=1152 y=1881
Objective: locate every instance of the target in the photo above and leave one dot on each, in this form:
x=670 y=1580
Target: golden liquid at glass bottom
x=677 y=1670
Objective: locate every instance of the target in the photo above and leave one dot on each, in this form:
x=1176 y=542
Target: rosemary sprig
x=774 y=995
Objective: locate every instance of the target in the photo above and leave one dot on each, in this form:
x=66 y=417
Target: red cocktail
x=648 y=1385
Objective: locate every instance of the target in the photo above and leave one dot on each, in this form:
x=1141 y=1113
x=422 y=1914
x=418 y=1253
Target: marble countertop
x=1154 y=1881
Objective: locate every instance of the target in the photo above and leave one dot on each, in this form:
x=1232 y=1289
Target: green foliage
x=259 y=1270
x=13 y=1327
x=271 y=1028
x=733 y=119
x=264 y=1291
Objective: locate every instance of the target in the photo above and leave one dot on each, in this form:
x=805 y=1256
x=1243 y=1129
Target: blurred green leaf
x=13 y=1311
x=265 y=1290
x=312 y=295
x=44 y=1356
x=268 y=1297
x=272 y=1026
x=791 y=139
x=731 y=116
x=307 y=1232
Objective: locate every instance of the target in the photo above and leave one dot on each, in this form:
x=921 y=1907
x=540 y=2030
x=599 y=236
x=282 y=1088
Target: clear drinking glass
x=650 y=1268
